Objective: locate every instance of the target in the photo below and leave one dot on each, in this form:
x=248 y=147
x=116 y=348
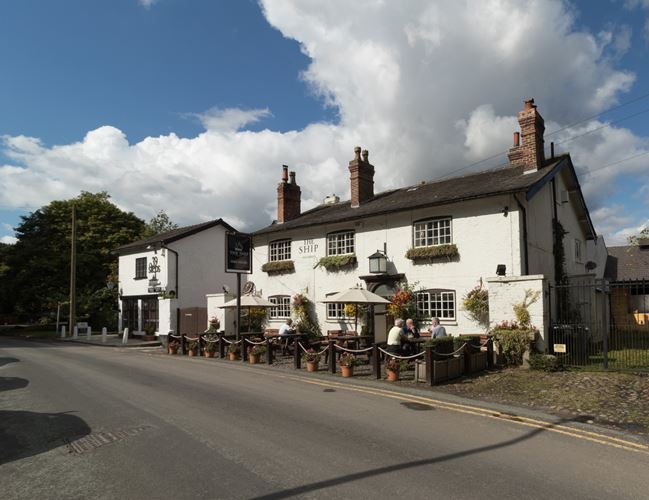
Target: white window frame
x=336 y=310
x=341 y=242
x=279 y=250
x=578 y=250
x=429 y=232
x=283 y=308
x=437 y=303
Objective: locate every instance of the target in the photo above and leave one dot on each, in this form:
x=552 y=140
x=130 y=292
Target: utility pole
x=73 y=270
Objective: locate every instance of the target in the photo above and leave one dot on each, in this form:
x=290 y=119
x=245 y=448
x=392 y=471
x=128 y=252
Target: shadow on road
x=6 y=361
x=24 y=433
x=307 y=488
x=12 y=383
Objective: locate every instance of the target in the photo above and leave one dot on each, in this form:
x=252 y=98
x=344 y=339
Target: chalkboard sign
x=238 y=253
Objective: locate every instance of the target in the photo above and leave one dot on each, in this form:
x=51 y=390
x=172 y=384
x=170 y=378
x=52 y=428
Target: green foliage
x=635 y=240
x=159 y=223
x=521 y=310
x=278 y=267
x=233 y=348
x=348 y=359
x=476 y=304
x=337 y=262
x=545 y=362
x=149 y=328
x=433 y=252
x=311 y=356
x=254 y=318
x=305 y=312
x=212 y=345
x=441 y=345
x=403 y=303
x=559 y=252
x=514 y=343
x=396 y=365
x=38 y=274
x=474 y=340
x=258 y=350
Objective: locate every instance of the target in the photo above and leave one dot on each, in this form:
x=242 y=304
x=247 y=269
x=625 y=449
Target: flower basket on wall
x=334 y=263
x=279 y=267
x=428 y=254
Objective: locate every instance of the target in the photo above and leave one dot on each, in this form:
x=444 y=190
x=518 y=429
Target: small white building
x=503 y=218
x=164 y=279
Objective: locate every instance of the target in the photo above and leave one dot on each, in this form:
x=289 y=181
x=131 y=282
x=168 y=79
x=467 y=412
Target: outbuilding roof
x=169 y=236
x=628 y=263
x=502 y=180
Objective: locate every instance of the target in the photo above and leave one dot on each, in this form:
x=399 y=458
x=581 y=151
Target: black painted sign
x=238 y=253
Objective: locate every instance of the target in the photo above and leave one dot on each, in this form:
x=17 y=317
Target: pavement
x=78 y=421
x=112 y=340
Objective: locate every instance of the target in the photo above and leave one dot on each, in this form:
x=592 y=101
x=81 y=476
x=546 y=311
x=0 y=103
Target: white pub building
x=446 y=236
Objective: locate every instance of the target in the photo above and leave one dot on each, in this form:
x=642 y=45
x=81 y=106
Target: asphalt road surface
x=91 y=422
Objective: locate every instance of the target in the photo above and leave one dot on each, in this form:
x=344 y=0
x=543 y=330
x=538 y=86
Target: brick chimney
x=362 y=177
x=530 y=154
x=288 y=197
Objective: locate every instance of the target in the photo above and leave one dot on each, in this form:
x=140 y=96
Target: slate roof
x=627 y=263
x=169 y=236
x=503 y=180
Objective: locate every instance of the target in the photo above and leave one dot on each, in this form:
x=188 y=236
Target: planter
x=172 y=350
x=191 y=353
x=148 y=338
x=312 y=366
x=393 y=376
x=347 y=371
x=233 y=356
x=208 y=354
x=478 y=362
x=253 y=358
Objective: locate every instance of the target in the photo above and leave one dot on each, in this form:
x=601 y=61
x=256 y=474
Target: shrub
x=278 y=266
x=441 y=345
x=233 y=348
x=310 y=356
x=514 y=343
x=211 y=343
x=433 y=252
x=476 y=304
x=396 y=365
x=545 y=362
x=473 y=340
x=348 y=359
x=258 y=350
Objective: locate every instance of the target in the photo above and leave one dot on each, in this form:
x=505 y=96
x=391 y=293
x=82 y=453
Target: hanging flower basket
x=278 y=267
x=419 y=254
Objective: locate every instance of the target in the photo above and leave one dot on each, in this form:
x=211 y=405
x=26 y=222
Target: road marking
x=462 y=408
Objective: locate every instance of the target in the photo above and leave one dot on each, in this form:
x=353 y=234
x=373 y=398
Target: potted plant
x=173 y=346
x=215 y=324
x=149 y=332
x=211 y=345
x=255 y=353
x=233 y=352
x=312 y=360
x=393 y=367
x=347 y=363
x=192 y=347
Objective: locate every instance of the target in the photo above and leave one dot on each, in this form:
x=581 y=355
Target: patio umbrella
x=356 y=296
x=248 y=301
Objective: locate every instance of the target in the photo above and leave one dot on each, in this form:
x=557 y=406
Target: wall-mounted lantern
x=378 y=263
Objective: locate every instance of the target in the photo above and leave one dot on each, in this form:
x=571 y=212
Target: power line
x=632 y=157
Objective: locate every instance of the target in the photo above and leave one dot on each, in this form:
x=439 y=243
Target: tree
x=644 y=233
x=39 y=262
x=159 y=223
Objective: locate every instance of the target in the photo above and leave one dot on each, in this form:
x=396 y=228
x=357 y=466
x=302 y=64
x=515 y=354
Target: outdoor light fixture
x=501 y=269
x=378 y=263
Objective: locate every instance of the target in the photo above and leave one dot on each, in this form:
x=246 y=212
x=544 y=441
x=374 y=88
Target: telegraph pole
x=73 y=271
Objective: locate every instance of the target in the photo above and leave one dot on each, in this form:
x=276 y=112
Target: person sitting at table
x=284 y=330
x=436 y=330
x=395 y=337
x=410 y=331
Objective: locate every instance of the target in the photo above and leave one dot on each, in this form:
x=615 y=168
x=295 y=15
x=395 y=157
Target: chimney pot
x=528 y=150
x=288 y=197
x=284 y=173
x=529 y=104
x=357 y=153
x=366 y=155
x=361 y=174
x=292 y=181
x=517 y=139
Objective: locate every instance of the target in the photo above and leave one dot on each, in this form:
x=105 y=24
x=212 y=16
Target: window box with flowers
x=278 y=267
x=430 y=253
x=334 y=263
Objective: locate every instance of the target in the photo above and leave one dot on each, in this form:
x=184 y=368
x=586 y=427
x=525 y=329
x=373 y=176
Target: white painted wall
x=484 y=236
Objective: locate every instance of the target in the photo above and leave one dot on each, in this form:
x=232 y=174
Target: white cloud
x=147 y=4
x=7 y=239
x=427 y=88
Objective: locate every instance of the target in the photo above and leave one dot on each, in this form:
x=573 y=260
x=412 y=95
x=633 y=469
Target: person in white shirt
x=286 y=329
x=395 y=337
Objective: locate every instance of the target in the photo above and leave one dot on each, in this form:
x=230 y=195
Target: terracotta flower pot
x=253 y=358
x=312 y=366
x=233 y=356
x=393 y=376
x=172 y=350
x=208 y=354
x=347 y=371
x=191 y=352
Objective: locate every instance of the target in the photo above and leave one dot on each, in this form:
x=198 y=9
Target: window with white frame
x=336 y=311
x=436 y=304
x=432 y=232
x=282 y=307
x=340 y=243
x=578 y=250
x=280 y=250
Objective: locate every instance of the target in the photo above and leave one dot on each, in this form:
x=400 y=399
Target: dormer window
x=432 y=232
x=340 y=243
x=280 y=250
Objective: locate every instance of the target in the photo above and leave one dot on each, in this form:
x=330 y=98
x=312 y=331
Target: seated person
x=410 y=331
x=284 y=330
x=436 y=330
x=395 y=337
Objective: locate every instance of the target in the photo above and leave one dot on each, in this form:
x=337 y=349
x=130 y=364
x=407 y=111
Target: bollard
x=75 y=332
x=376 y=361
x=332 y=356
x=430 y=366
x=297 y=359
x=125 y=336
x=490 y=353
x=221 y=347
x=104 y=332
x=63 y=331
x=89 y=332
x=269 y=352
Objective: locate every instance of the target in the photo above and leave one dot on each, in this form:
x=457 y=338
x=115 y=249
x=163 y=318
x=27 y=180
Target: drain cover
x=98 y=439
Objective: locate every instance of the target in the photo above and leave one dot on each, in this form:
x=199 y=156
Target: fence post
x=242 y=348
x=430 y=366
x=376 y=361
x=221 y=347
x=198 y=342
x=297 y=359
x=490 y=353
x=269 y=352
x=332 y=356
x=605 y=332
x=182 y=344
x=104 y=332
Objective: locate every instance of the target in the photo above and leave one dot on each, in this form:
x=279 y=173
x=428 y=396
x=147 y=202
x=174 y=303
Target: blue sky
x=167 y=100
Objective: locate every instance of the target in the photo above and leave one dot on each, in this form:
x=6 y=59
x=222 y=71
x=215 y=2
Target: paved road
x=146 y=426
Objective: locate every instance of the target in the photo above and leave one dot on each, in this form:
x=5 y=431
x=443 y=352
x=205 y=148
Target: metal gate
x=598 y=324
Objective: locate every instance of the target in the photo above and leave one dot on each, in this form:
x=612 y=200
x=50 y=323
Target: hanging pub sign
x=238 y=253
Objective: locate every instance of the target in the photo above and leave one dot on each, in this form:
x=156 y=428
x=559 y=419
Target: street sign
x=560 y=348
x=238 y=253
